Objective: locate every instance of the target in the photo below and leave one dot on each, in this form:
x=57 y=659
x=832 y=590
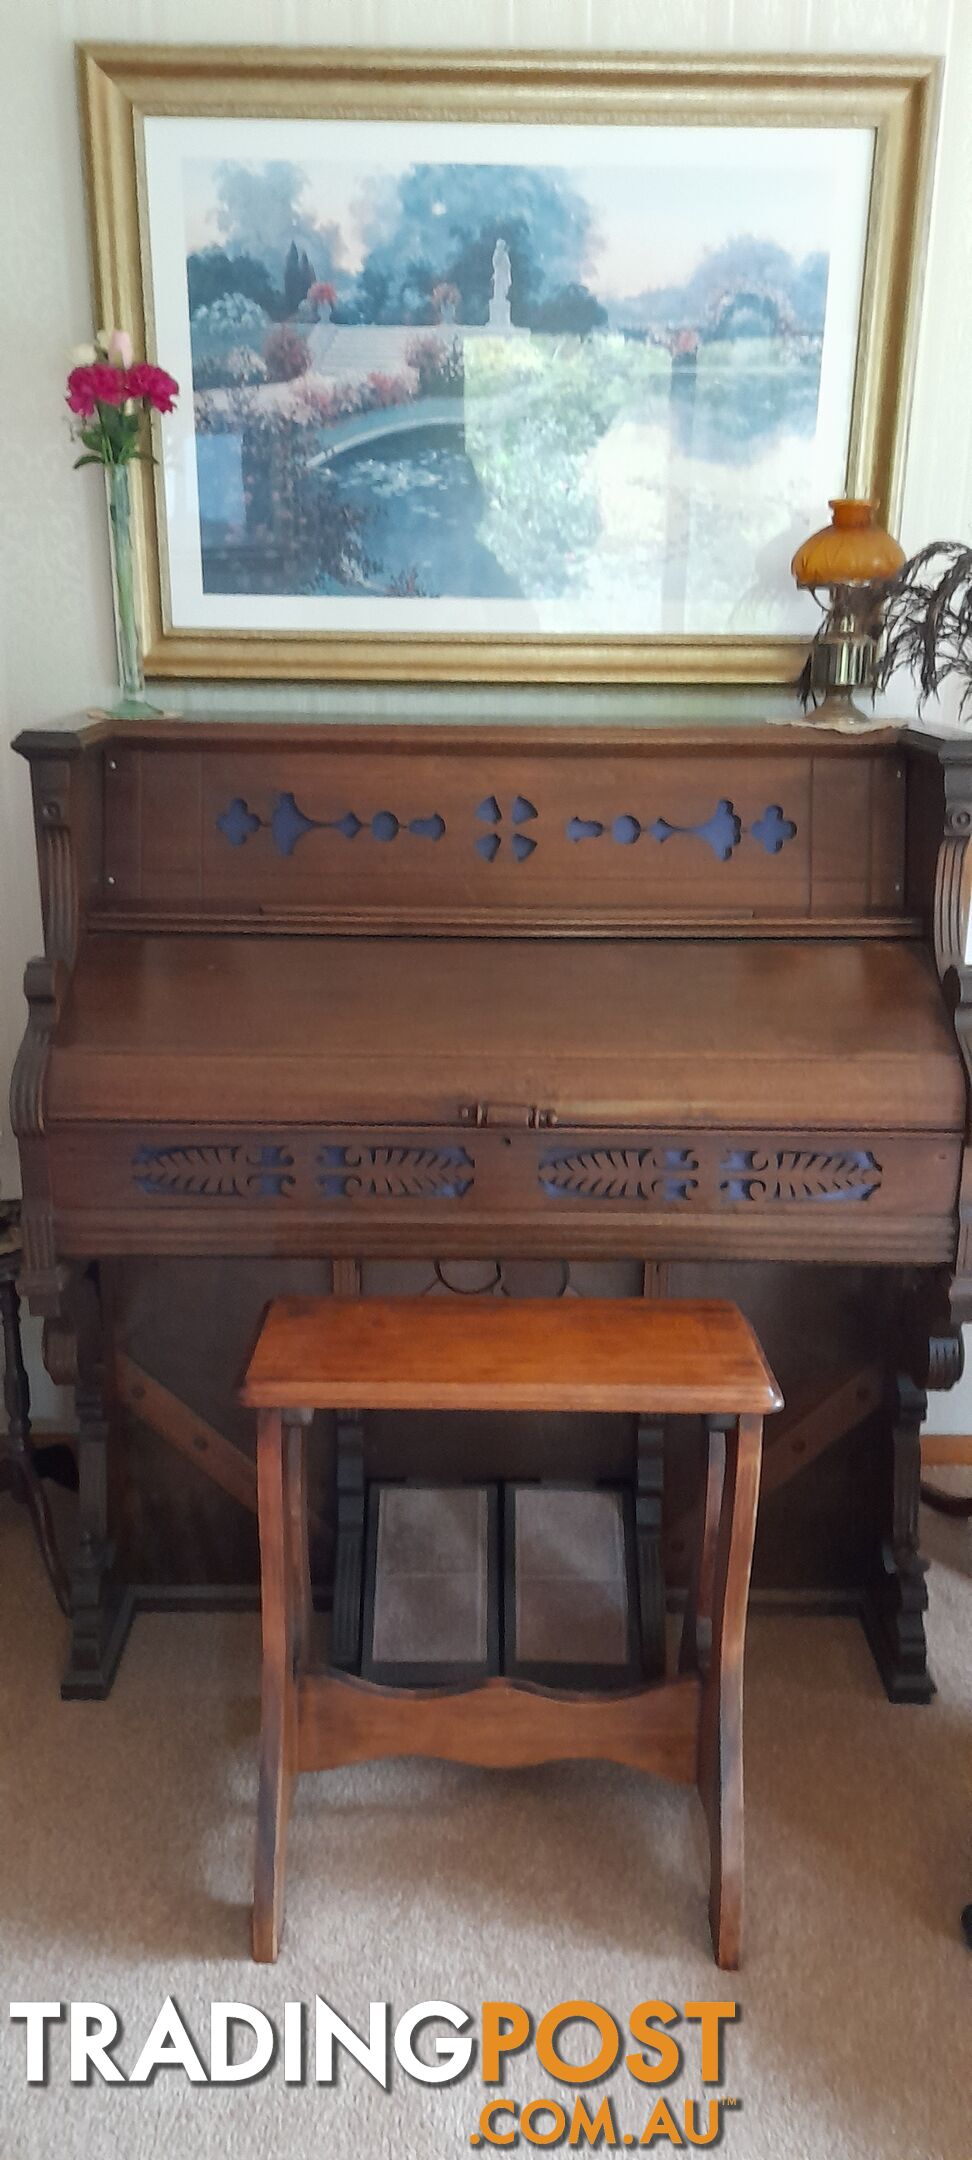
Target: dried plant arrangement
x=926 y=617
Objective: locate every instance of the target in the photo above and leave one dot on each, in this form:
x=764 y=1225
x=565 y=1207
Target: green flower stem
x=131 y=678
x=111 y=439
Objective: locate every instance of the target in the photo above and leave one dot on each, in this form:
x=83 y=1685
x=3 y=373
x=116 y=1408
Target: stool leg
x=278 y=1722
x=721 y=1722
x=695 y=1645
x=296 y=1423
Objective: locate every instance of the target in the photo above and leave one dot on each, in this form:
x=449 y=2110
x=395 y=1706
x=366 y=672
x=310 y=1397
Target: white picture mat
x=838 y=165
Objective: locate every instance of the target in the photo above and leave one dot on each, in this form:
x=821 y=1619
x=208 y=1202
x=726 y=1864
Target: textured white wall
x=56 y=649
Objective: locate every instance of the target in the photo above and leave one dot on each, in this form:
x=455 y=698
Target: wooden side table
x=18 y=1467
x=616 y=1355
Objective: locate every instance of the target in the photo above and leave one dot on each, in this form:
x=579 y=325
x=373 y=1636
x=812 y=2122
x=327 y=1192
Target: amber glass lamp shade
x=851 y=550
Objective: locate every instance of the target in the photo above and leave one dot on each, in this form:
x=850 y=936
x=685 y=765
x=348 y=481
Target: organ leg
x=896 y=1598
x=18 y=1462
x=101 y=1607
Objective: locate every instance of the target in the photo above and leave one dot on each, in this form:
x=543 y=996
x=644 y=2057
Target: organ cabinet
x=497 y=1010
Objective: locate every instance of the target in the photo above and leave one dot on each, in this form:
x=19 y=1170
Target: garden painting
x=474 y=378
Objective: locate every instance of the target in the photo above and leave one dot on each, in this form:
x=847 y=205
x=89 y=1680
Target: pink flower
x=97 y=385
x=153 y=384
x=119 y=348
x=80 y=396
x=323 y=294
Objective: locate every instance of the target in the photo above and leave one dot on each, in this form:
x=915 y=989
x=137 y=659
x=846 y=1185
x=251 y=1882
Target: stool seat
x=680 y=1357
x=684 y=1357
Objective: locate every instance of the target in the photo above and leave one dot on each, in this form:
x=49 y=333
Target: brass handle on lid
x=529 y=1116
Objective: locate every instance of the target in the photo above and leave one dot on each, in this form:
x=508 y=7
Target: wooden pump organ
x=486 y=1008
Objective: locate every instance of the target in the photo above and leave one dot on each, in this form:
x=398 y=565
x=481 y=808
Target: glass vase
x=132 y=703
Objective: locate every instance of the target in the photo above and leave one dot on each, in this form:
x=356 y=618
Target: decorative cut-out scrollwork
x=773 y=830
x=619 y=1173
x=722 y=832
x=764 y=1178
x=395 y=1173
x=520 y=844
x=215 y=1170
x=672 y=1177
x=288 y=823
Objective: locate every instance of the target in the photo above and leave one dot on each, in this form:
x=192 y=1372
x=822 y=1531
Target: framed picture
x=507 y=367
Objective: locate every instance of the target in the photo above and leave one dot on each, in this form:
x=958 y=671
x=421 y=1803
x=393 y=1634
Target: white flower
x=83 y=355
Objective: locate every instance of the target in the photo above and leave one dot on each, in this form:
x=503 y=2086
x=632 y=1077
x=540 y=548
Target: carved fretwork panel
x=391 y=828
x=755 y=1177
x=657 y=1194
x=659 y=1174
x=214 y=1170
x=394 y=1173
x=288 y=823
x=765 y=1178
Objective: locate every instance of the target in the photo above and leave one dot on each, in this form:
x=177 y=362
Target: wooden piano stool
x=663 y=1357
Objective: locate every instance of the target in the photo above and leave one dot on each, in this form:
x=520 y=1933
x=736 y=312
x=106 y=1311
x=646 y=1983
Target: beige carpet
x=125 y=1843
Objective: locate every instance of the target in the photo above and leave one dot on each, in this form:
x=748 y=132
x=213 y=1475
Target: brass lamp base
x=838 y=709
x=842 y=659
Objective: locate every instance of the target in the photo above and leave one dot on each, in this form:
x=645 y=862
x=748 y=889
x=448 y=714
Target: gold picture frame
x=124 y=87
